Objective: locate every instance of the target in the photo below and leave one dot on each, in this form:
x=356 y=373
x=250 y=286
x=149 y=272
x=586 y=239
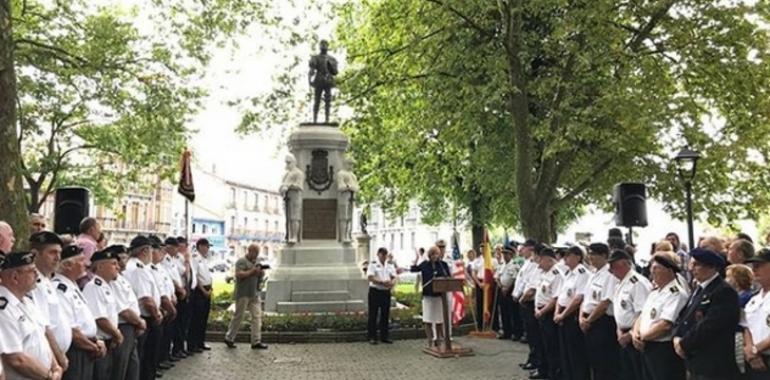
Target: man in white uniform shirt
x=627 y=303
x=86 y=347
x=504 y=277
x=757 y=332
x=382 y=278
x=653 y=331
x=173 y=262
x=24 y=348
x=167 y=302
x=596 y=316
x=573 y=359
x=201 y=298
x=524 y=293
x=148 y=295
x=47 y=248
x=545 y=304
x=100 y=298
x=130 y=323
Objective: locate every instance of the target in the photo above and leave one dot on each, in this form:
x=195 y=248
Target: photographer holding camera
x=248 y=273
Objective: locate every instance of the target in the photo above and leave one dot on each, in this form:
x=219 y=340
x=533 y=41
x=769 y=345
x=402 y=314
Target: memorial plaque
x=319 y=219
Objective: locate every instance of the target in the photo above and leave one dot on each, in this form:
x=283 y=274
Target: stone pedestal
x=362 y=249
x=318 y=273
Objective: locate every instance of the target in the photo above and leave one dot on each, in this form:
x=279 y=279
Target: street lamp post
x=686 y=162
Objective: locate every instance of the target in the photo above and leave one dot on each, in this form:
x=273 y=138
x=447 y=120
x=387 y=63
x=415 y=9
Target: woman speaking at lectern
x=431 y=302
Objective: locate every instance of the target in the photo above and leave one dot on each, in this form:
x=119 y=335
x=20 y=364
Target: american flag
x=458 y=272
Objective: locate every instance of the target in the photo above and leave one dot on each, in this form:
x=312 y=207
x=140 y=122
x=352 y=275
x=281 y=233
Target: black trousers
x=517 y=323
x=125 y=359
x=572 y=350
x=603 y=349
x=756 y=375
x=505 y=304
x=168 y=328
x=662 y=362
x=81 y=365
x=148 y=355
x=534 y=338
x=181 y=335
x=550 y=333
x=201 y=306
x=103 y=366
x=632 y=364
x=495 y=307
x=379 y=306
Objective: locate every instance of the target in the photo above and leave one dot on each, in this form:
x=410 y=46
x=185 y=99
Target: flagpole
x=187 y=219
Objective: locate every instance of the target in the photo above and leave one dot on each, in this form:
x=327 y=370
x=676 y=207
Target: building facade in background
x=403 y=235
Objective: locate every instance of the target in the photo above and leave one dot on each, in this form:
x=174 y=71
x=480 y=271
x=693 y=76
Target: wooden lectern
x=443 y=286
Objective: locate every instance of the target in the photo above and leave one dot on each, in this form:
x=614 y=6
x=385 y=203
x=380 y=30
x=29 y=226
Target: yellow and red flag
x=488 y=277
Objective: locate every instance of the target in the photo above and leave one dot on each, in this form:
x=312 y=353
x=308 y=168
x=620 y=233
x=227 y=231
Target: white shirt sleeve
x=640 y=292
x=674 y=304
x=609 y=288
x=94 y=300
x=139 y=283
x=10 y=330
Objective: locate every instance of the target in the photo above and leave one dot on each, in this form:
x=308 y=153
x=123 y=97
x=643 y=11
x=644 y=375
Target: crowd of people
x=592 y=312
x=73 y=307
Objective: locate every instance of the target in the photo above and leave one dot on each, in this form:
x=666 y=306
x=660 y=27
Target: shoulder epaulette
x=555 y=271
x=62 y=287
x=674 y=290
x=633 y=279
x=754 y=293
x=3 y=303
x=39 y=280
x=98 y=282
x=139 y=265
x=581 y=270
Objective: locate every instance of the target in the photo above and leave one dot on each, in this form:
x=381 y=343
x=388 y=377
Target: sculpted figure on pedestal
x=291 y=189
x=347 y=186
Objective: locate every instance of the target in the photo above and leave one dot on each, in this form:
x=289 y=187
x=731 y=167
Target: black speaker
x=630 y=204
x=70 y=207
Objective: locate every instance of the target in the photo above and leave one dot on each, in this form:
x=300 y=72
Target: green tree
x=541 y=106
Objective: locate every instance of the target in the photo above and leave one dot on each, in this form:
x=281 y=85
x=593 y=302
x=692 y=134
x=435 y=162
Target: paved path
x=494 y=359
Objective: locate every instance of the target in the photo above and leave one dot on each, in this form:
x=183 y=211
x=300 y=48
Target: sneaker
x=259 y=346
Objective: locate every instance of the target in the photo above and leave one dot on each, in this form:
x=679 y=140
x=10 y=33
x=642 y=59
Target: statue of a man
x=347 y=186
x=323 y=68
x=291 y=189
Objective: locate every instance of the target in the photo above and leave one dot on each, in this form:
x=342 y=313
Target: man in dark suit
x=705 y=330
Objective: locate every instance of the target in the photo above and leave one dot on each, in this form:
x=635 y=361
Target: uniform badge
x=3 y=303
x=581 y=270
x=62 y=287
x=674 y=290
x=623 y=304
x=569 y=292
x=138 y=265
x=653 y=313
x=544 y=289
x=633 y=279
x=595 y=294
x=98 y=282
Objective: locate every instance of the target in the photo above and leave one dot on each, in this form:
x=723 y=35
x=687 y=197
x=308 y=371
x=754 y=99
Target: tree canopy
x=539 y=107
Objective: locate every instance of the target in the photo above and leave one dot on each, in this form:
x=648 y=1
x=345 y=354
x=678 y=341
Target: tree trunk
x=12 y=200
x=33 y=204
x=478 y=208
x=537 y=223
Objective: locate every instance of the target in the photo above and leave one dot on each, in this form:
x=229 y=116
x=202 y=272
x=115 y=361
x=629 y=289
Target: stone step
x=320 y=306
x=317 y=255
x=328 y=295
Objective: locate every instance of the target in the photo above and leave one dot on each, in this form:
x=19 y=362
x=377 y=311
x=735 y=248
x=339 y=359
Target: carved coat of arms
x=319 y=173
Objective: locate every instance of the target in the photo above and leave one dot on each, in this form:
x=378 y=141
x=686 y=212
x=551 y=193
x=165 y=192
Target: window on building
x=266 y=203
x=267 y=225
x=204 y=228
x=401 y=239
x=414 y=241
x=232 y=224
x=193 y=227
x=233 y=195
x=276 y=226
x=214 y=230
x=245 y=222
x=402 y=221
x=256 y=201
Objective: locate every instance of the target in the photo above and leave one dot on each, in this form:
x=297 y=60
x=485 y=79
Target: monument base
x=316 y=276
x=442 y=353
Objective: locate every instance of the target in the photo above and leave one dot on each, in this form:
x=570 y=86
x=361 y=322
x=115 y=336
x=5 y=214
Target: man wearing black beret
x=706 y=326
x=23 y=343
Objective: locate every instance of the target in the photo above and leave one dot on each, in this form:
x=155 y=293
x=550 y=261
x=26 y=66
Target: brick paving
x=495 y=359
